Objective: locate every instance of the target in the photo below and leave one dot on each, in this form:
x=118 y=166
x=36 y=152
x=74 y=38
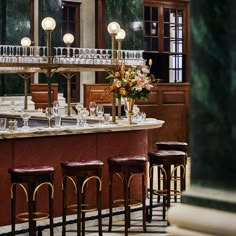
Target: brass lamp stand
x=49 y=25
x=119 y=37
x=113 y=28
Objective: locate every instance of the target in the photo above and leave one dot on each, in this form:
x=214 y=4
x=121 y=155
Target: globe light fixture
x=68 y=40
x=121 y=34
x=25 y=42
x=119 y=37
x=48 y=24
x=113 y=28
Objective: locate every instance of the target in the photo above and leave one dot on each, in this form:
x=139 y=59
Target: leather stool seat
x=80 y=173
x=164 y=160
x=34 y=177
x=126 y=167
x=172 y=145
x=167 y=157
x=71 y=166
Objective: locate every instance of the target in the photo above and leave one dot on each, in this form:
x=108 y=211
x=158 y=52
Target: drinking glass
x=49 y=115
x=100 y=112
x=25 y=115
x=92 y=108
x=79 y=107
x=12 y=106
x=107 y=118
x=55 y=108
x=3 y=122
x=82 y=117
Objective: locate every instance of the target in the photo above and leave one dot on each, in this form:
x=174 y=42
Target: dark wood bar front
x=53 y=148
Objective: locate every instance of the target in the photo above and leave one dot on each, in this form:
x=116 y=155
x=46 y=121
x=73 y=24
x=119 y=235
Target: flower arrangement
x=134 y=82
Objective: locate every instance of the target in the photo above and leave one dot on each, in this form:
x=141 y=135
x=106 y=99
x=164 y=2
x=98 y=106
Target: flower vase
x=130 y=106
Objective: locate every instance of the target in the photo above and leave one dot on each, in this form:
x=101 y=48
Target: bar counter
x=49 y=146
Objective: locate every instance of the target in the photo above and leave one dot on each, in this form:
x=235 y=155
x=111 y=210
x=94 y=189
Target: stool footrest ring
x=164 y=192
x=24 y=216
x=131 y=202
x=73 y=208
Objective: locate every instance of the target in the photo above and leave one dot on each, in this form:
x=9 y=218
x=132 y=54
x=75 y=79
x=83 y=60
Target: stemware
x=100 y=112
x=92 y=108
x=55 y=108
x=82 y=117
x=49 y=115
x=12 y=106
x=25 y=115
x=79 y=107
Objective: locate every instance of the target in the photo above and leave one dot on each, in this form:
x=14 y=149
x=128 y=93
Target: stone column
x=87 y=39
x=209 y=207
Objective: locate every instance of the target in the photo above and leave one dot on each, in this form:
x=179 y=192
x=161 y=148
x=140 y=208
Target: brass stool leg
x=126 y=202
x=50 y=210
x=168 y=177
x=110 y=200
x=183 y=177
x=164 y=197
x=151 y=194
x=83 y=213
x=79 y=202
x=64 y=206
x=144 y=201
x=175 y=184
x=99 y=207
x=13 y=210
x=31 y=206
x=128 y=216
x=158 y=183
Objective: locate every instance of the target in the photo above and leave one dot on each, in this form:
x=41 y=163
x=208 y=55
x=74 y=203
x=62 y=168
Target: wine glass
x=100 y=112
x=25 y=115
x=125 y=107
x=12 y=106
x=84 y=114
x=55 y=108
x=92 y=108
x=79 y=107
x=49 y=115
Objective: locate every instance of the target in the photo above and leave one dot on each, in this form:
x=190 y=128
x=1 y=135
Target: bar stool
x=165 y=160
x=126 y=167
x=30 y=179
x=80 y=173
x=178 y=146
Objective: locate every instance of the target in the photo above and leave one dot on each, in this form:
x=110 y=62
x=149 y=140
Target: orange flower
x=122 y=91
x=117 y=74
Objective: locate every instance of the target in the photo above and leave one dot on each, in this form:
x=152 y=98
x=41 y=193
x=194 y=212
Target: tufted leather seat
x=80 y=173
x=166 y=157
x=126 y=167
x=30 y=179
x=164 y=160
x=172 y=145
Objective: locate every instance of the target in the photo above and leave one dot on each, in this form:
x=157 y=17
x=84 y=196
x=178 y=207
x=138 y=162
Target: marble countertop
x=121 y=125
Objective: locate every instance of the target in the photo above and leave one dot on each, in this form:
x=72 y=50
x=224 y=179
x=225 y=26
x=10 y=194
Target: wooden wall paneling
x=168 y=102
